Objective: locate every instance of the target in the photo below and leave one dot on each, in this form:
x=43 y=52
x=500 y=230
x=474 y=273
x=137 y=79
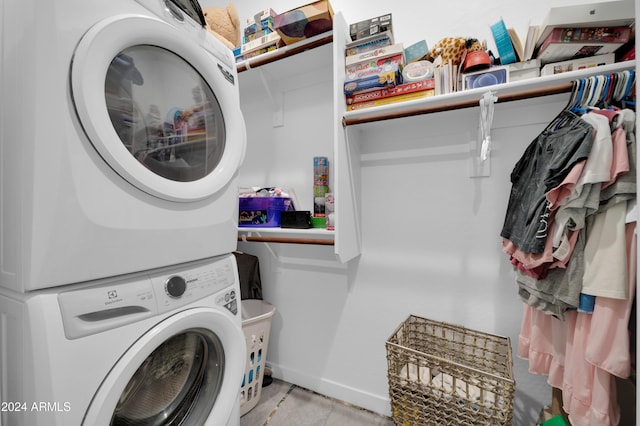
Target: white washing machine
x=120 y=139
x=164 y=347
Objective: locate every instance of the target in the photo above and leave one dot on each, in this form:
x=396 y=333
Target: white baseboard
x=358 y=397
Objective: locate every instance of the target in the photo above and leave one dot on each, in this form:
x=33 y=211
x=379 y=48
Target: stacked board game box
x=258 y=36
x=375 y=68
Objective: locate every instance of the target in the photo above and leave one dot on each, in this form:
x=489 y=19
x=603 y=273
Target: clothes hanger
x=622 y=95
x=602 y=101
x=593 y=89
x=612 y=88
x=557 y=121
x=621 y=85
x=599 y=89
x=573 y=96
x=631 y=81
x=594 y=82
x=629 y=98
x=567 y=114
x=583 y=90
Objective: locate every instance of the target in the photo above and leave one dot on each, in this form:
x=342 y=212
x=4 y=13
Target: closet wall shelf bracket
x=276 y=95
x=270 y=79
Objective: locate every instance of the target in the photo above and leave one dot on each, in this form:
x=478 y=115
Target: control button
x=175 y=286
x=233 y=294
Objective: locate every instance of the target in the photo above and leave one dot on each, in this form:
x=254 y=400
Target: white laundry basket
x=256 y=325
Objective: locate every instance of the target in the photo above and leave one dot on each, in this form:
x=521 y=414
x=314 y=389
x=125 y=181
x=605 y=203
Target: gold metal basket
x=446 y=374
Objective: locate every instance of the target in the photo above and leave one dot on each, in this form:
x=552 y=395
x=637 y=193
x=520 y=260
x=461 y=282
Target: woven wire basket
x=445 y=374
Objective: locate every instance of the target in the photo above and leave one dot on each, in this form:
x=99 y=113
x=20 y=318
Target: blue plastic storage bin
x=262 y=211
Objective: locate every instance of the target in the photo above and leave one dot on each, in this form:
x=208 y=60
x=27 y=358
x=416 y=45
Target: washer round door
x=162 y=111
x=186 y=370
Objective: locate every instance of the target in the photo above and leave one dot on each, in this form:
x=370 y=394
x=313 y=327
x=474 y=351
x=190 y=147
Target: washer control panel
x=112 y=303
x=195 y=282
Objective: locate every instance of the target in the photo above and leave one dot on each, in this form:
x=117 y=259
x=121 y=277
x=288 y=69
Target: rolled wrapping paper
x=416 y=71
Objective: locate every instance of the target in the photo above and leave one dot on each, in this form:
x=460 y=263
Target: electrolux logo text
x=112 y=295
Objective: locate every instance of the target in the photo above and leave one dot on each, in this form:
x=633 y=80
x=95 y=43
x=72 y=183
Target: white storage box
x=524 y=70
x=577 y=64
x=256 y=325
x=588 y=15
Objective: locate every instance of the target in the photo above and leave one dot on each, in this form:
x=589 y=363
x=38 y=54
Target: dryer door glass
x=165 y=113
x=176 y=384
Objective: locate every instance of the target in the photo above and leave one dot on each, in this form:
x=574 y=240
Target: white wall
x=430 y=234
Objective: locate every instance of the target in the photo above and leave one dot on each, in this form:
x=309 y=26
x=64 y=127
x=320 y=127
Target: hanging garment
x=575 y=199
x=600 y=351
x=624 y=187
x=585 y=196
x=544 y=165
x=249 y=274
x=560 y=289
x=604 y=250
x=605 y=271
x=583 y=354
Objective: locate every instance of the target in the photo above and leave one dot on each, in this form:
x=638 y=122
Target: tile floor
x=284 y=404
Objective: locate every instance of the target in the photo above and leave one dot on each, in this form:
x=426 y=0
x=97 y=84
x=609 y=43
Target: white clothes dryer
x=164 y=347
x=120 y=137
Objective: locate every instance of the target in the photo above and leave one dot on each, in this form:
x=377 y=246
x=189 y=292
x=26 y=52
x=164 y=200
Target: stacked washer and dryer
x=120 y=139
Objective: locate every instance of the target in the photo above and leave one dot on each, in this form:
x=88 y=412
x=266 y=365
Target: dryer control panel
x=109 y=304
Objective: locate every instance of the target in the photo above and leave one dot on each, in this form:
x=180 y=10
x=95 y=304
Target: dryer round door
x=160 y=110
x=185 y=370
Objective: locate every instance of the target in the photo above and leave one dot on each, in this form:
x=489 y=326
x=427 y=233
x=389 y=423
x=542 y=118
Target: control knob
x=175 y=286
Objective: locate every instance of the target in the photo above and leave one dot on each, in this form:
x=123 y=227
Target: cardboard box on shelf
x=259 y=43
x=366 y=44
x=375 y=58
x=258 y=25
x=264 y=14
x=392 y=99
x=370 y=27
x=396 y=59
x=304 y=22
x=266 y=25
x=401 y=89
x=255 y=35
x=388 y=75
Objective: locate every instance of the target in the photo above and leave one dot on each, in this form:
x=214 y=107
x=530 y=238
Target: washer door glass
x=177 y=383
x=164 y=113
